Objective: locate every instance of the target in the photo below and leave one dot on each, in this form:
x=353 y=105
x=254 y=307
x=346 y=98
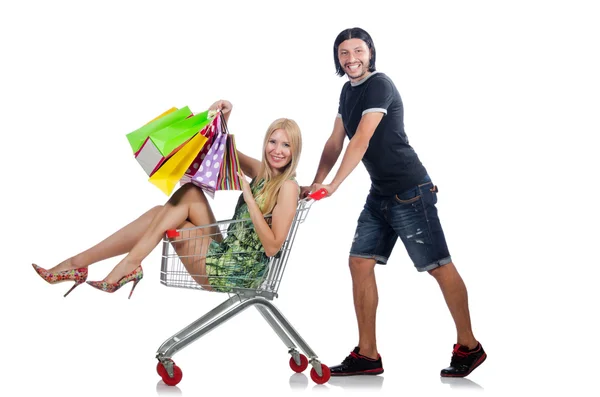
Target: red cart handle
x=172 y=233
x=319 y=194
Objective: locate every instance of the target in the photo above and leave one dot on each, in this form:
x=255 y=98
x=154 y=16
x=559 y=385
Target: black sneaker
x=464 y=361
x=357 y=364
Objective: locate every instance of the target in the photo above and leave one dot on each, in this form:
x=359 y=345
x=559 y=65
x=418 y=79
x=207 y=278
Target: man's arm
x=331 y=152
x=355 y=151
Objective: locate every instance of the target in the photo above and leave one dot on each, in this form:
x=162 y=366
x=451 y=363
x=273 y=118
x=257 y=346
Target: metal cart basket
x=217 y=258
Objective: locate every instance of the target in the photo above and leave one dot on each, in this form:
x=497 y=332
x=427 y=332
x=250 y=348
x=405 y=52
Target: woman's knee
x=186 y=225
x=186 y=193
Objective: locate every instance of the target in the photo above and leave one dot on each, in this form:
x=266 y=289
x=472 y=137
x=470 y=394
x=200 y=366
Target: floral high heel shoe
x=77 y=275
x=134 y=276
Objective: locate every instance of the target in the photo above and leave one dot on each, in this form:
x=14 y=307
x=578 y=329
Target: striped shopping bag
x=230 y=167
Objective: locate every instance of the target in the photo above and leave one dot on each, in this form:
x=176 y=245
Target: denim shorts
x=412 y=216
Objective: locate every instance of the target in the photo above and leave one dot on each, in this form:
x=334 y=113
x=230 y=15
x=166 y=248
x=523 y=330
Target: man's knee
x=443 y=270
x=361 y=265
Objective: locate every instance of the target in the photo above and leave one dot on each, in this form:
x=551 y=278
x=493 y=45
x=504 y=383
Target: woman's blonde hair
x=270 y=190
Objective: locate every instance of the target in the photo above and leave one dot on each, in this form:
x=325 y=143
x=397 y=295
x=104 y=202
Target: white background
x=501 y=103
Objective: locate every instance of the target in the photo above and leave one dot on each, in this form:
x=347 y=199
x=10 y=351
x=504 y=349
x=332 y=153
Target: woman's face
x=278 y=150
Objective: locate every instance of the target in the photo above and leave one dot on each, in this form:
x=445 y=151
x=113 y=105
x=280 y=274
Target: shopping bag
x=209 y=132
x=208 y=172
x=171 y=172
x=171 y=137
x=229 y=178
x=164 y=143
x=138 y=137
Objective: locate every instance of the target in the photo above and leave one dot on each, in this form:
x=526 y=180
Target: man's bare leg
x=366 y=299
x=455 y=293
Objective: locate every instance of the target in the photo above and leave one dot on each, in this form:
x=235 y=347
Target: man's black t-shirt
x=392 y=163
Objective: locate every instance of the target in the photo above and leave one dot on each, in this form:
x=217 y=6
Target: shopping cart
x=246 y=275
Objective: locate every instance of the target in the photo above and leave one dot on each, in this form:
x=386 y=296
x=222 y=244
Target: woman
x=273 y=191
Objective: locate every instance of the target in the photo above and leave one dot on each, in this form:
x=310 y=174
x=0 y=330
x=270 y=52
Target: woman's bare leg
x=191 y=247
x=119 y=243
x=188 y=203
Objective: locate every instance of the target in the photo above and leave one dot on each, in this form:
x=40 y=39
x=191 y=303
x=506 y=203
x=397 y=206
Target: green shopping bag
x=138 y=137
x=171 y=137
x=162 y=144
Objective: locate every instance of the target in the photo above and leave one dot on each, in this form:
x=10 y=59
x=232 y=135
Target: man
x=401 y=203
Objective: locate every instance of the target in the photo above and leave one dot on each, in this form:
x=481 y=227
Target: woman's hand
x=223 y=105
x=248 y=197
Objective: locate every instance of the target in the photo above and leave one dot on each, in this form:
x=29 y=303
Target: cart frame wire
x=239 y=300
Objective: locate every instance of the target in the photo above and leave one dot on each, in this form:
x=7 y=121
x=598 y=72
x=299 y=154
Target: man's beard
x=364 y=71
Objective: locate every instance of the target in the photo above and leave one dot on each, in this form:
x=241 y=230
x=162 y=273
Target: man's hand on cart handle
x=329 y=189
x=317 y=189
x=318 y=195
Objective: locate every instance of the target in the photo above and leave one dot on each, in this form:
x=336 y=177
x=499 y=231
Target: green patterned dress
x=239 y=261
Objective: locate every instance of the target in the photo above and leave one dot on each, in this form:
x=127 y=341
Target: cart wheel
x=320 y=379
x=303 y=364
x=160 y=369
x=177 y=375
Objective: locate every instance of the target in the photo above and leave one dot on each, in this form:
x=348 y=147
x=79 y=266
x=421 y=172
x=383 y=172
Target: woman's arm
x=272 y=238
x=250 y=166
x=224 y=106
